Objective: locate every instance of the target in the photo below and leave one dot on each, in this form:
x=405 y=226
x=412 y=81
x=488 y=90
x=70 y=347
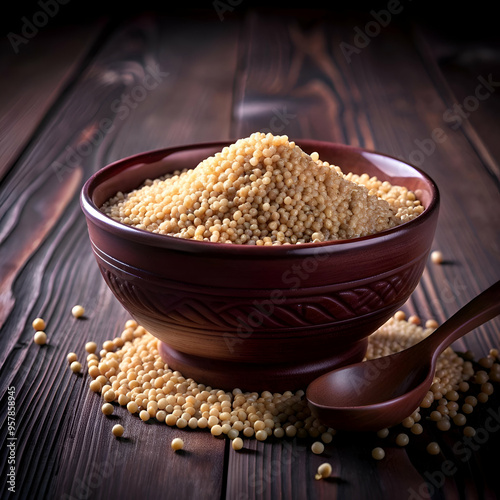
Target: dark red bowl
x=259 y=318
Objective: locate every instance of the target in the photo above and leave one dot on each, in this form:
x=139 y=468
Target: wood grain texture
x=162 y=80
x=29 y=91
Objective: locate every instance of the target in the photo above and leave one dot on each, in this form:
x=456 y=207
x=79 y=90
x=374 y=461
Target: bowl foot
x=279 y=377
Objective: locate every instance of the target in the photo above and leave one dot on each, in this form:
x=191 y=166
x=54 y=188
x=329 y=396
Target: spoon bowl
x=382 y=392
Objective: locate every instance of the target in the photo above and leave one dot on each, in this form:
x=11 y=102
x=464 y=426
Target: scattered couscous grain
x=383 y=433
x=38 y=324
x=264 y=190
x=216 y=430
x=181 y=423
x=482 y=397
x=132 y=407
x=437 y=257
x=317 y=447
x=414 y=319
x=261 y=435
x=431 y=323
x=91 y=347
x=378 y=453
x=408 y=422
x=123 y=400
x=233 y=433
x=76 y=367
x=109 y=395
x=469 y=431
x=95 y=386
x=402 y=439
x=324 y=471
x=71 y=356
x=470 y=400
x=433 y=448
x=117 y=430
x=486 y=362
x=77 y=311
x=107 y=408
x=279 y=432
x=416 y=429
x=327 y=437
x=467 y=408
x=237 y=443
x=481 y=377
x=487 y=388
x=133 y=374
x=108 y=345
x=94 y=371
x=40 y=338
x=177 y=444
x=443 y=425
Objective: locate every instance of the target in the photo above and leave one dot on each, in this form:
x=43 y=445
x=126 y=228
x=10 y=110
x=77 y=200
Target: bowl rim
x=149 y=238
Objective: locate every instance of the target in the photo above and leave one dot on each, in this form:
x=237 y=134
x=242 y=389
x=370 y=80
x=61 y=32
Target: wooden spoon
x=382 y=392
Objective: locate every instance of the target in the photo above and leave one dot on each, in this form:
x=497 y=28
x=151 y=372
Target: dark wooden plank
x=38 y=71
x=296 y=80
x=465 y=70
x=47 y=265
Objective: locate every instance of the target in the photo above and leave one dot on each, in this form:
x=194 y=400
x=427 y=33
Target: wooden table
x=85 y=90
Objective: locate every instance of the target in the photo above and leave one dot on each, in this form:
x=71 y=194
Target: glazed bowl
x=259 y=318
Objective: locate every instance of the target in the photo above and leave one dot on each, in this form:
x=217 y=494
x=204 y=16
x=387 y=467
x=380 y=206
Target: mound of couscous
x=264 y=190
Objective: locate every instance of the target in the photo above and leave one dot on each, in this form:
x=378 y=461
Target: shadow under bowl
x=259 y=318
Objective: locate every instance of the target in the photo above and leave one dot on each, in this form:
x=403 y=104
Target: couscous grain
x=76 y=367
x=107 y=408
x=78 y=311
x=177 y=444
x=324 y=471
x=437 y=257
x=402 y=439
x=433 y=448
x=117 y=430
x=39 y=324
x=40 y=338
x=237 y=444
x=71 y=356
x=317 y=447
x=378 y=453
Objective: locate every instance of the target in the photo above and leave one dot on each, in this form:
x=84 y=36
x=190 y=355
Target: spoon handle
x=479 y=310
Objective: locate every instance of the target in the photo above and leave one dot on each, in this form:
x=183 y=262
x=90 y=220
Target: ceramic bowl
x=259 y=318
